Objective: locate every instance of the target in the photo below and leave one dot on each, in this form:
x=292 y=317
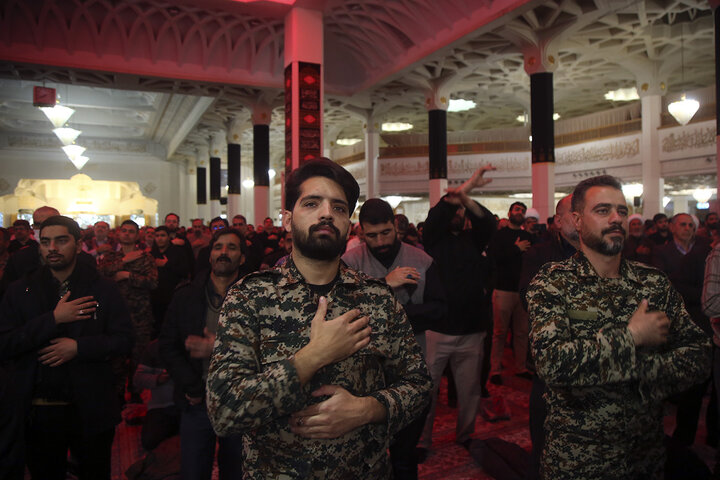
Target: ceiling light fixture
x=702 y=195
x=684 y=109
x=73 y=151
x=396 y=126
x=347 y=141
x=58 y=114
x=525 y=118
x=248 y=183
x=460 y=105
x=67 y=135
x=271 y=173
x=79 y=161
x=622 y=95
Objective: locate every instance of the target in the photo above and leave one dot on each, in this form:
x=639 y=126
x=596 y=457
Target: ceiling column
x=437 y=105
x=650 y=91
x=234 y=154
x=261 y=115
x=539 y=64
x=303 y=86
x=203 y=155
x=217 y=142
x=190 y=199
x=715 y=4
x=372 y=154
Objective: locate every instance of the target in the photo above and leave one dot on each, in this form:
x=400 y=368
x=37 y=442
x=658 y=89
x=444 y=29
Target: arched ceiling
x=173 y=72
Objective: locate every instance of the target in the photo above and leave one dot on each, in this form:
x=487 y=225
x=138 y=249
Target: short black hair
x=229 y=231
x=512 y=205
x=5 y=234
x=376 y=211
x=174 y=215
x=402 y=222
x=578 y=196
x=659 y=216
x=240 y=216
x=59 y=220
x=321 y=167
x=131 y=222
x=21 y=223
x=219 y=219
x=162 y=228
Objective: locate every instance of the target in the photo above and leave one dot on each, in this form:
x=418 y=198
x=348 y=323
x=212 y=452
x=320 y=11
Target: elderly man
x=315 y=364
x=611 y=340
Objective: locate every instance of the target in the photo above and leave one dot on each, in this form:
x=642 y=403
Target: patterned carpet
x=447 y=460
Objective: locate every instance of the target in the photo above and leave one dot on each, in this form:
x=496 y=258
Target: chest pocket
x=277 y=347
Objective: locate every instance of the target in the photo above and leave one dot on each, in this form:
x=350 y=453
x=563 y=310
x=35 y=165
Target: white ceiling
x=381 y=56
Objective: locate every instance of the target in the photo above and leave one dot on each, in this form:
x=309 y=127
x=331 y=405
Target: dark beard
x=386 y=254
x=318 y=248
x=518 y=219
x=598 y=244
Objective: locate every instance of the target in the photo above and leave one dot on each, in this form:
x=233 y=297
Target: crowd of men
x=315 y=349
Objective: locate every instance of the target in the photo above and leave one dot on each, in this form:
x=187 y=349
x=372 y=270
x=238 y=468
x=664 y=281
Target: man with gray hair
x=611 y=340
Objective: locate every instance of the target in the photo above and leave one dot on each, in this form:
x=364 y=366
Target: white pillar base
x=215 y=208
x=543 y=189
x=233 y=205
x=261 y=204
x=438 y=188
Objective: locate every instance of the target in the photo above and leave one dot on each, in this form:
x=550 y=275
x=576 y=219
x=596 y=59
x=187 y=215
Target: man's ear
x=287 y=220
x=577 y=220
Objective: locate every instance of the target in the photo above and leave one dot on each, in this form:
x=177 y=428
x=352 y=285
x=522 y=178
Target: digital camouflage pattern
x=253 y=387
x=136 y=292
x=605 y=395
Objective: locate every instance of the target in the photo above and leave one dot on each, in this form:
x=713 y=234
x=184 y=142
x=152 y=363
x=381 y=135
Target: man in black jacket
x=465 y=276
x=186 y=342
x=59 y=328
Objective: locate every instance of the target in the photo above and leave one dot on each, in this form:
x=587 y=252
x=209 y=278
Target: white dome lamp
x=684 y=109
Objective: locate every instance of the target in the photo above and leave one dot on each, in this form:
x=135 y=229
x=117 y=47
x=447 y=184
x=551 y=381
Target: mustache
x=223 y=258
x=318 y=226
x=614 y=228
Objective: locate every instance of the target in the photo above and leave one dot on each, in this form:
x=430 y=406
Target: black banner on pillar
x=437 y=143
x=214 y=178
x=201 y=186
x=541 y=118
x=310 y=80
x=288 y=118
x=717 y=69
x=233 y=170
x=261 y=155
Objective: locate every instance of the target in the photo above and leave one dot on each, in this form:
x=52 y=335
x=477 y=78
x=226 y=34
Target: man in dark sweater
x=683 y=260
x=506 y=250
x=465 y=273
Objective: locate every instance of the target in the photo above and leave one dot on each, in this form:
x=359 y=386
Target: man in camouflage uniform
x=611 y=339
x=314 y=363
x=135 y=273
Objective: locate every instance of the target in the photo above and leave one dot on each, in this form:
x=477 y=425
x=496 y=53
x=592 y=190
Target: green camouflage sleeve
x=109 y=264
x=682 y=362
x=563 y=359
x=242 y=395
x=407 y=375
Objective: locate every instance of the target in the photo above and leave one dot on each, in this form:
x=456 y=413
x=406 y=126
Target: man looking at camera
x=60 y=327
x=315 y=364
x=611 y=340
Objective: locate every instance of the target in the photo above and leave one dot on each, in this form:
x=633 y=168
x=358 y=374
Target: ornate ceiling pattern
x=382 y=58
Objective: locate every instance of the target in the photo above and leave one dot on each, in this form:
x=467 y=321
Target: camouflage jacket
x=599 y=383
x=143 y=278
x=253 y=387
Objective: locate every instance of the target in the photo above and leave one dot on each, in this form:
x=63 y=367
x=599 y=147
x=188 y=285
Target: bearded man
x=611 y=340
x=315 y=364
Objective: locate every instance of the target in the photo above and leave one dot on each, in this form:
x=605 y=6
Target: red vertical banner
x=310 y=98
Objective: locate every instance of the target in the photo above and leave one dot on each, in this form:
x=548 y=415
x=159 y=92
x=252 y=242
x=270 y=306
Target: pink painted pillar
x=303 y=86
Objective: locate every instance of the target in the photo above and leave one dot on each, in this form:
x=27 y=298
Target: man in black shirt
x=506 y=250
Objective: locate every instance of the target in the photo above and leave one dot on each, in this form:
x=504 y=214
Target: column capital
x=203 y=155
x=235 y=129
x=261 y=113
x=540 y=58
x=218 y=143
x=372 y=125
x=649 y=86
x=437 y=99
